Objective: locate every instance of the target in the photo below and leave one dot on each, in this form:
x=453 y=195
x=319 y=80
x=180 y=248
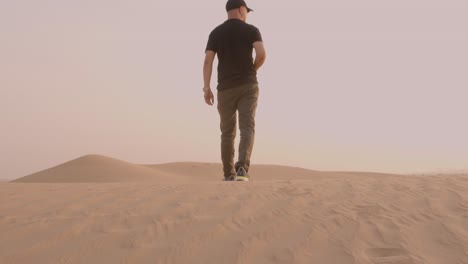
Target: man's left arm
x=208 y=68
x=207 y=71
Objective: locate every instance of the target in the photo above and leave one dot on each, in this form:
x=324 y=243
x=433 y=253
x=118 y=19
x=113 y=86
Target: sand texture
x=97 y=209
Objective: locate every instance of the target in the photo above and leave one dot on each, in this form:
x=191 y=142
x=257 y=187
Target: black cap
x=233 y=4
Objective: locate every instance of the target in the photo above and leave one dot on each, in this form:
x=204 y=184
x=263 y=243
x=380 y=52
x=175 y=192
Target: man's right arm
x=260 y=54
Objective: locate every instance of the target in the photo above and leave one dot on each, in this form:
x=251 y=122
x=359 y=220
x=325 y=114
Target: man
x=233 y=43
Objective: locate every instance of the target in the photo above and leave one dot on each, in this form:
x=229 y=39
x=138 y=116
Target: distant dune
x=183 y=213
x=98 y=168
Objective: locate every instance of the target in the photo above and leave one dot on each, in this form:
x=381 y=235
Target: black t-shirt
x=232 y=41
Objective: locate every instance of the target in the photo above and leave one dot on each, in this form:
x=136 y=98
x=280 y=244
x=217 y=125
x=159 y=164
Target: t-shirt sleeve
x=256 y=36
x=211 y=45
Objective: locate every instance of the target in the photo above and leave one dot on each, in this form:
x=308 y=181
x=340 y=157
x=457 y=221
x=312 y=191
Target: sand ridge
x=99 y=168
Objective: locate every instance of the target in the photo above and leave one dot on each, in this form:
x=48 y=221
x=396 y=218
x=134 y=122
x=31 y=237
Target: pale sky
x=347 y=85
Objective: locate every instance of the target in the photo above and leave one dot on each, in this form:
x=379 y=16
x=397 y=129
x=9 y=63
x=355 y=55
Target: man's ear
x=240 y=12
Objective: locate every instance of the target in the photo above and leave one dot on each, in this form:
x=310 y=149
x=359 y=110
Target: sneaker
x=230 y=178
x=242 y=175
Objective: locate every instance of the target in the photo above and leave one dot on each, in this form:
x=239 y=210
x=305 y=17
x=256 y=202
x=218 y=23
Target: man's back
x=233 y=42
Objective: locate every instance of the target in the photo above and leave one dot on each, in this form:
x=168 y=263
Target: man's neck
x=234 y=16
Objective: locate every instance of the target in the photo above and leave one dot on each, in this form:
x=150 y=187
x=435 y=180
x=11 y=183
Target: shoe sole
x=242 y=178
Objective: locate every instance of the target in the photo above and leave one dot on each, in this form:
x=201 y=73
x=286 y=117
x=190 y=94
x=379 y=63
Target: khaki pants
x=242 y=99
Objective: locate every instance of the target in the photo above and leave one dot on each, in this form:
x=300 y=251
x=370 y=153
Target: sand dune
x=99 y=168
x=187 y=215
x=96 y=168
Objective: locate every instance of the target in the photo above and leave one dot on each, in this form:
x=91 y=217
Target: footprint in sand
x=389 y=256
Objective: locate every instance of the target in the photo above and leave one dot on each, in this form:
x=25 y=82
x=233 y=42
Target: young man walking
x=233 y=43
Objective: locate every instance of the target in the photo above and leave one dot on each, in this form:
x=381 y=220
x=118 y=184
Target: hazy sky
x=347 y=85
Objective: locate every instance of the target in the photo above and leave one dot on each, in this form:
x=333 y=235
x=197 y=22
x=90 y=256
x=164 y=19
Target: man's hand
x=209 y=98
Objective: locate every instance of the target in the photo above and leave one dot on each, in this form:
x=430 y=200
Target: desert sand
x=97 y=209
